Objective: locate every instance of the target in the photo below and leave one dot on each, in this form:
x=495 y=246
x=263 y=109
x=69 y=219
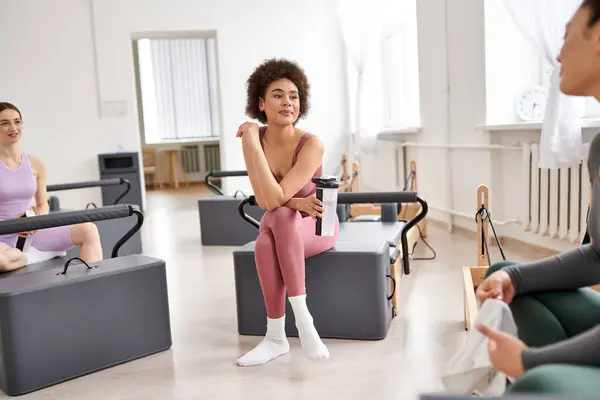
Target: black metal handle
x=408 y=227
x=221 y=174
x=251 y=201
x=391 y=296
x=91 y=184
x=69 y=262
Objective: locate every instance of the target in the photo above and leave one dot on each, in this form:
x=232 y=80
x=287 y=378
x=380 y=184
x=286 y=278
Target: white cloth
x=470 y=369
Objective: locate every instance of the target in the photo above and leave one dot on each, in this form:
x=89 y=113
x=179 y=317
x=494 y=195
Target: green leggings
x=547 y=317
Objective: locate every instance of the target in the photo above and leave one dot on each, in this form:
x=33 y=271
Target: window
x=512 y=65
x=401 y=64
x=390 y=58
x=178 y=85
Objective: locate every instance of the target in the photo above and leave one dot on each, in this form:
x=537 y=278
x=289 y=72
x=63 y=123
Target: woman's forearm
x=42 y=209
x=259 y=172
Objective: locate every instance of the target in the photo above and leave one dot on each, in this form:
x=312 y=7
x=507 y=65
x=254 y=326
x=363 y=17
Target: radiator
x=212 y=157
x=557 y=201
x=191 y=159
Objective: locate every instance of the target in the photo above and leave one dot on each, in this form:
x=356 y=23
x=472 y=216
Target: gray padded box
x=347 y=291
x=368 y=230
x=57 y=327
x=221 y=224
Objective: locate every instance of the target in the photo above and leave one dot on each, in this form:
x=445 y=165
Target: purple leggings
x=51 y=239
x=284 y=241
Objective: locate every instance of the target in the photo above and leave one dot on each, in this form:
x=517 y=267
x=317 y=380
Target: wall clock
x=530 y=104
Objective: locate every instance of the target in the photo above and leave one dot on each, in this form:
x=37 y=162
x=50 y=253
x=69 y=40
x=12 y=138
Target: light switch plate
x=114 y=109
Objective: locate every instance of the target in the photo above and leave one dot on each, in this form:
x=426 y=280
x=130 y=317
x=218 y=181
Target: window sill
x=394 y=134
x=214 y=139
x=531 y=126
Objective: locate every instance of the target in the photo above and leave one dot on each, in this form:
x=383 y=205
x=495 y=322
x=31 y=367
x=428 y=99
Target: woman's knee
x=264 y=243
x=282 y=217
x=4 y=259
x=542 y=379
x=84 y=233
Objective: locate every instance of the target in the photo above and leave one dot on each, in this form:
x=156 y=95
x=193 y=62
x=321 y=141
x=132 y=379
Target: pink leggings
x=284 y=242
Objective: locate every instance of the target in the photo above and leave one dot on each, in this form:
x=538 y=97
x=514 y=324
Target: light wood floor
x=201 y=363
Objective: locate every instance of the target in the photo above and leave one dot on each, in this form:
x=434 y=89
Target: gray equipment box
x=221 y=224
x=57 y=327
x=121 y=165
x=348 y=292
x=61 y=319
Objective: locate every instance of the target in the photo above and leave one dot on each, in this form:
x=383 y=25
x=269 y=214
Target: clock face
x=531 y=104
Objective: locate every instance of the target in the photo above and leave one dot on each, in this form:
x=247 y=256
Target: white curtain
x=178 y=89
x=542 y=23
x=362 y=27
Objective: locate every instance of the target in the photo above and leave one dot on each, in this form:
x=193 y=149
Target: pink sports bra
x=309 y=188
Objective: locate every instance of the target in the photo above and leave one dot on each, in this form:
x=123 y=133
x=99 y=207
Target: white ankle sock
x=309 y=337
x=273 y=345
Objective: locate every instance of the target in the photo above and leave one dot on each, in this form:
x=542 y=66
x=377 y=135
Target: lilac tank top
x=17 y=188
x=309 y=188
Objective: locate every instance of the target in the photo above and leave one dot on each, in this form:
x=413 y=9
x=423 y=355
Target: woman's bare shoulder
x=37 y=165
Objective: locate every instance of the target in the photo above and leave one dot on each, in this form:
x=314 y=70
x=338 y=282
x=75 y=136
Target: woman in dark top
x=558 y=317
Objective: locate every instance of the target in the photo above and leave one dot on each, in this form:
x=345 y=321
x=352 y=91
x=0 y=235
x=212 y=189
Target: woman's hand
x=496 y=286
x=249 y=132
x=26 y=233
x=505 y=351
x=310 y=205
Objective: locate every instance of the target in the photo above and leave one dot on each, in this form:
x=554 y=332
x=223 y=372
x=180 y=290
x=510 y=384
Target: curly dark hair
x=594 y=6
x=270 y=71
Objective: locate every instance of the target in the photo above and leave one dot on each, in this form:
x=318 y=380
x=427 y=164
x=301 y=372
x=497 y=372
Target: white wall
x=454 y=95
x=49 y=71
x=247 y=33
x=452 y=90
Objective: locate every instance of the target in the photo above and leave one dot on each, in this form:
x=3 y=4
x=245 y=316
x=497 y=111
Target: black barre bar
x=91 y=184
x=367 y=197
x=221 y=174
x=377 y=197
x=64 y=218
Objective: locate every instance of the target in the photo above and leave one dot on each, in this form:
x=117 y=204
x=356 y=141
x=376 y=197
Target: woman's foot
x=309 y=337
x=273 y=345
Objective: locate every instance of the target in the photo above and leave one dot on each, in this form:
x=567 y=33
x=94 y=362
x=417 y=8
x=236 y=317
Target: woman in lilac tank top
x=281 y=161
x=22 y=188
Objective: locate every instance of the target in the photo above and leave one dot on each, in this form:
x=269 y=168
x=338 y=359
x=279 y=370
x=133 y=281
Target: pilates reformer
x=219 y=221
x=108 y=229
x=373 y=212
x=64 y=318
x=473 y=276
x=348 y=284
